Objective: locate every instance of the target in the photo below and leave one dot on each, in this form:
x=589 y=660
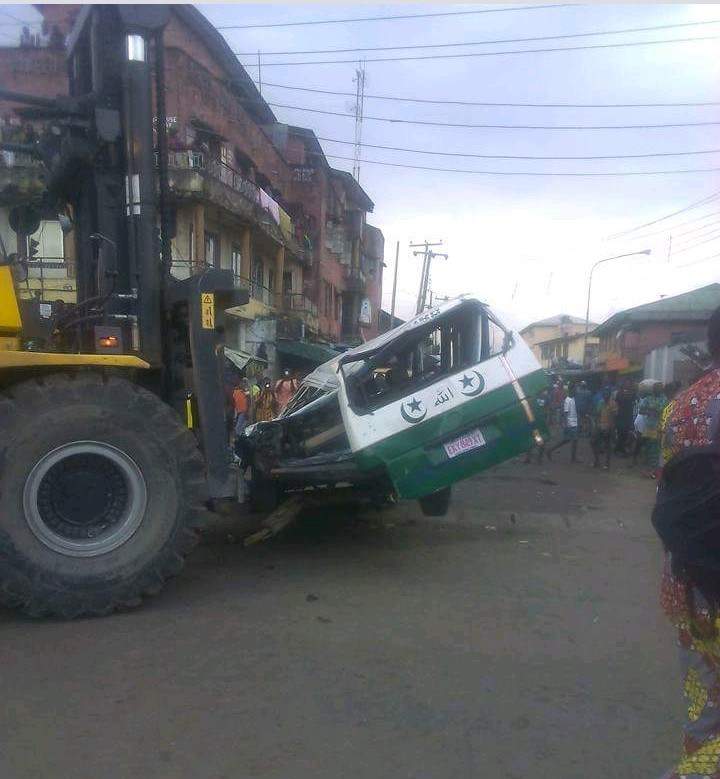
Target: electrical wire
x=697 y=232
x=415 y=58
x=696 y=204
x=395 y=17
x=520 y=156
x=481 y=43
x=668 y=230
x=17 y=20
x=525 y=173
x=397 y=99
x=695 y=245
x=430 y=123
x=697 y=262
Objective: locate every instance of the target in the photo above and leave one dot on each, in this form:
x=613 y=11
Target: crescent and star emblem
x=415 y=411
x=472 y=384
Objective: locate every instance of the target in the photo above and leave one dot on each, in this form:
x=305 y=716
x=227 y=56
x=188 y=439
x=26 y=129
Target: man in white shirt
x=570 y=426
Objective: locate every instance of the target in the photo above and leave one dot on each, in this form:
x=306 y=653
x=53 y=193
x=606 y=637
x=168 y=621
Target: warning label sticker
x=207 y=310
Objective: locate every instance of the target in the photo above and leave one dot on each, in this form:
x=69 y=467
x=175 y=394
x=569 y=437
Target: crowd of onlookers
x=617 y=419
x=259 y=400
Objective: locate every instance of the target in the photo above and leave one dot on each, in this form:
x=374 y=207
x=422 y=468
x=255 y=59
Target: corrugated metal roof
x=556 y=321
x=694 y=306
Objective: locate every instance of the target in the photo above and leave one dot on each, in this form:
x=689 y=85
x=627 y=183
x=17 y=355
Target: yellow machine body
x=11 y=356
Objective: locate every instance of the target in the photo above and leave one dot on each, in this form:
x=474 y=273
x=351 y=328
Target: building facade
x=566 y=351
x=249 y=194
x=628 y=337
x=559 y=341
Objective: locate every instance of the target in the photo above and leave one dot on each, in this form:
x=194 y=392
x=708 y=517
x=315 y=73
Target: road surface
x=518 y=637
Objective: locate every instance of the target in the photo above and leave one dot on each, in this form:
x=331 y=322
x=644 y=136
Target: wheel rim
x=85 y=498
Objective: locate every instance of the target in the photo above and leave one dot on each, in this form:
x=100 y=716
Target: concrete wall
x=668 y=363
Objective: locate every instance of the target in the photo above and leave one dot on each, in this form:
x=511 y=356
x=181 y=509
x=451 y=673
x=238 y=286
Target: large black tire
x=91 y=535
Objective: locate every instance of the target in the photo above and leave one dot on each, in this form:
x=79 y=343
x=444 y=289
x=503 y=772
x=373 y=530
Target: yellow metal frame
x=13 y=359
x=10 y=323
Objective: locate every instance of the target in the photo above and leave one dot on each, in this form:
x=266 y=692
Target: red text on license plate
x=465 y=443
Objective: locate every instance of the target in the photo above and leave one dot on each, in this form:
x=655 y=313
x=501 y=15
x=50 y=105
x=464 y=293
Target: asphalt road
x=518 y=637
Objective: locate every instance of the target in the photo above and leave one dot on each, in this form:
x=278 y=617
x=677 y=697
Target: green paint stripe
x=415 y=458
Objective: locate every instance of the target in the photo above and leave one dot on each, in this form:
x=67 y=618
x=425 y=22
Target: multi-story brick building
x=629 y=336
x=248 y=193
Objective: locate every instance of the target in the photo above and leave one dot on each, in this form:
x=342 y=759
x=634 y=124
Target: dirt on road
x=518 y=637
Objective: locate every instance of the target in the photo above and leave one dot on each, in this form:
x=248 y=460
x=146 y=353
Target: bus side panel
x=417 y=461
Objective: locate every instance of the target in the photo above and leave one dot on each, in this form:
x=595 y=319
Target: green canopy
x=304 y=350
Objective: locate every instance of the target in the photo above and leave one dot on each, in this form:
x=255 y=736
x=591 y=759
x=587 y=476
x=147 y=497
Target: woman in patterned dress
x=687 y=518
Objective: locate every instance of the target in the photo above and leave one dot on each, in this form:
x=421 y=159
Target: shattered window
x=416 y=360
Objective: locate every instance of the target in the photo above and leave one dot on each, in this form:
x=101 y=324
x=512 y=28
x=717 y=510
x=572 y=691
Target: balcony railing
x=18 y=159
x=190 y=159
x=183 y=269
x=295 y=303
x=298 y=303
x=259 y=291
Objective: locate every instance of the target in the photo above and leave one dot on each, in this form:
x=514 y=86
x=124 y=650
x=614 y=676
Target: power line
x=696 y=232
x=521 y=156
x=487 y=53
x=667 y=230
x=391 y=18
x=696 y=204
x=482 y=43
x=525 y=173
x=695 y=245
x=17 y=19
x=430 y=123
x=697 y=262
x=396 y=99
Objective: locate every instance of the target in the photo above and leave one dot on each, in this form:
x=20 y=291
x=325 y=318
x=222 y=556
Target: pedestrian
x=285 y=388
x=686 y=519
x=646 y=426
x=625 y=399
x=604 y=424
x=558 y=400
x=570 y=426
x=266 y=404
x=583 y=403
x=241 y=406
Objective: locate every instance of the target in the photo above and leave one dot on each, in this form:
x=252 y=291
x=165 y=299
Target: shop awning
x=305 y=350
x=241 y=359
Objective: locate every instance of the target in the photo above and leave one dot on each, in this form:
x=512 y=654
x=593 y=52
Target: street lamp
x=592 y=270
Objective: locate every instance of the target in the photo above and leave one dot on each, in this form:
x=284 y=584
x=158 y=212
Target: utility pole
x=359 y=112
x=428 y=256
x=259 y=74
x=392 y=304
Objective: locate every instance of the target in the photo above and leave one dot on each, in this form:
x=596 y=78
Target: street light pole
x=592 y=270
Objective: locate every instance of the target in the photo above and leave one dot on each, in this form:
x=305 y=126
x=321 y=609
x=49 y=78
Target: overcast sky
x=524 y=244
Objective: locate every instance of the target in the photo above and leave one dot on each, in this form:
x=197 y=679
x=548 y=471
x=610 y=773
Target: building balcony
x=296 y=305
x=22 y=178
x=192 y=176
x=50 y=279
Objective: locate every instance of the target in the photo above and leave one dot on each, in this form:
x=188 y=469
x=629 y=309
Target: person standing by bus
x=570 y=426
x=285 y=388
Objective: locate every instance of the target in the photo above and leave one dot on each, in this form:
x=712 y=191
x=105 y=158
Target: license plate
x=465 y=443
